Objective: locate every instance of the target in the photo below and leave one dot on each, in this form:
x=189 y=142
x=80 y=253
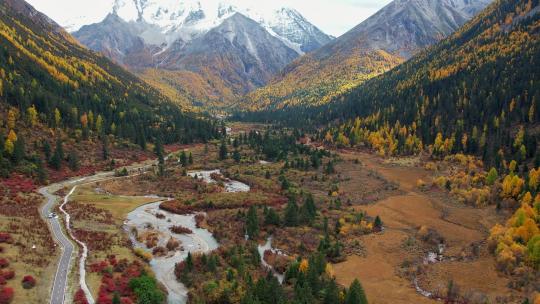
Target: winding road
x=60 y=283
x=59 y=287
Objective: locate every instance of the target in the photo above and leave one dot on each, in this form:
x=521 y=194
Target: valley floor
x=387 y=270
x=430 y=244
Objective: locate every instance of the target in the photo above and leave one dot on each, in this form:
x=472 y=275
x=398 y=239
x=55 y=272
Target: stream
x=230 y=185
x=431 y=258
x=200 y=241
x=262 y=249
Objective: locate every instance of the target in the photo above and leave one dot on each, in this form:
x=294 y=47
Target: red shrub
x=6 y=295
x=127 y=301
x=5 y=237
x=8 y=275
x=79 y=297
x=3 y=263
x=28 y=282
x=99 y=267
x=3 y=281
x=18 y=183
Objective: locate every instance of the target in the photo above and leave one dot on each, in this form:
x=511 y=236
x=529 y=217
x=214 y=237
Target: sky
x=333 y=17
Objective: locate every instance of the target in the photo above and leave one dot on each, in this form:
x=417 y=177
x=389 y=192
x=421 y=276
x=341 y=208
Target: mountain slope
x=476 y=92
x=163 y=22
x=238 y=50
x=182 y=37
x=379 y=43
x=69 y=87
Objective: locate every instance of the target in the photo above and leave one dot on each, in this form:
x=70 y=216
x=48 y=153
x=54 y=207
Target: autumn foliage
x=6 y=295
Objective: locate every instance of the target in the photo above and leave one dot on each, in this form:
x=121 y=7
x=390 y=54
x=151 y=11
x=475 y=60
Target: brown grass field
x=383 y=270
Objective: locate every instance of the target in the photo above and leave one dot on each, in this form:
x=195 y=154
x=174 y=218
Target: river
x=200 y=241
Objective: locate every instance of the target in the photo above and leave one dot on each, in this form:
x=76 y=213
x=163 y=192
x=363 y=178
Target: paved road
x=60 y=279
x=60 y=283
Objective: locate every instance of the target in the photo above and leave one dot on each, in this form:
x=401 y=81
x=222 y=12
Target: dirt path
x=402 y=215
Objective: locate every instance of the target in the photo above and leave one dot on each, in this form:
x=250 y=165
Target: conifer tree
x=58 y=156
x=189 y=262
x=116 y=299
x=40 y=171
x=73 y=161
x=291 y=213
x=310 y=206
x=272 y=217
x=5 y=166
x=377 y=224
x=105 y=147
x=223 y=150
x=236 y=156
x=356 y=294
x=331 y=293
x=47 y=150
x=183 y=159
x=252 y=223
x=18 y=151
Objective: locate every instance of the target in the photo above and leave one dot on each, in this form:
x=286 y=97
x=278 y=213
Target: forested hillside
x=51 y=85
x=475 y=92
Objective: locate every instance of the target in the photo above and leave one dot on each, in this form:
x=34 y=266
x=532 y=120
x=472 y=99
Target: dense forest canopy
x=477 y=92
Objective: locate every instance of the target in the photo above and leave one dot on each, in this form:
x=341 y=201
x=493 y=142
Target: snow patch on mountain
x=164 y=22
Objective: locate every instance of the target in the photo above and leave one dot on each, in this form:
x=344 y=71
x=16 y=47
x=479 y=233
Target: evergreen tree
x=19 y=153
x=223 y=150
x=46 y=150
x=158 y=149
x=212 y=263
x=291 y=213
x=59 y=148
x=5 y=166
x=310 y=206
x=58 y=156
x=330 y=168
x=272 y=217
x=377 y=224
x=190 y=158
x=303 y=294
x=189 y=262
x=142 y=140
x=105 y=147
x=284 y=183
x=40 y=171
x=73 y=161
x=331 y=293
x=356 y=294
x=267 y=174
x=236 y=156
x=183 y=159
x=252 y=223
x=116 y=299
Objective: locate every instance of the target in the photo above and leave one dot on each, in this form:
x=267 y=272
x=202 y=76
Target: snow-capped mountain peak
x=164 y=22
